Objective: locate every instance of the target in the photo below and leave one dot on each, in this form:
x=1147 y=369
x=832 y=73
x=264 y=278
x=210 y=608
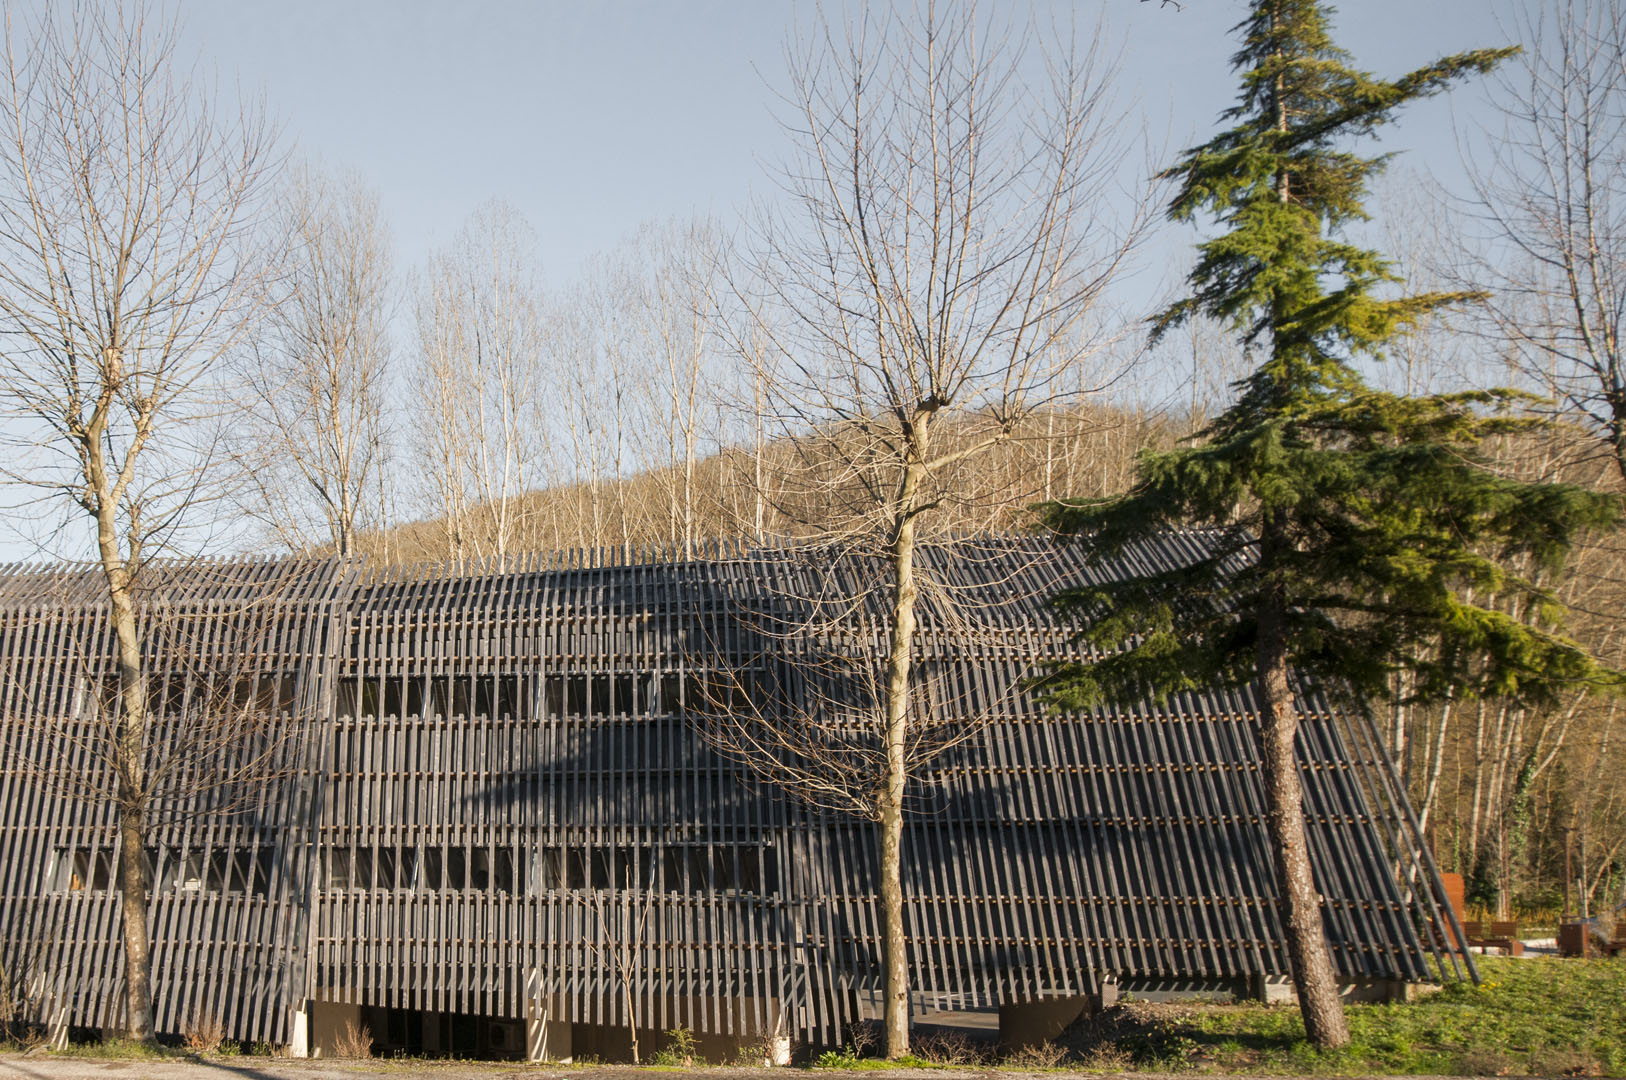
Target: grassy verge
x=1537 y=1017
x=119 y=1049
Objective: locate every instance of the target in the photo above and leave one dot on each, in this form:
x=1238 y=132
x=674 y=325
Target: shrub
x=203 y=1032
x=679 y=1048
x=836 y=1059
x=951 y=1048
x=1045 y=1055
x=355 y=1041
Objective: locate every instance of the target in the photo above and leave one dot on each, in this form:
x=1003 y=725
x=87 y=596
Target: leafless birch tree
x=597 y=375
x=937 y=278
x=312 y=441
x=673 y=302
x=477 y=379
x=125 y=276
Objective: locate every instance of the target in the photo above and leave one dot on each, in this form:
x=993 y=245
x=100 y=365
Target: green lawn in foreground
x=1537 y=1017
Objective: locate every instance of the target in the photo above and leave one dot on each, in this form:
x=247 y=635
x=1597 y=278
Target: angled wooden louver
x=491 y=784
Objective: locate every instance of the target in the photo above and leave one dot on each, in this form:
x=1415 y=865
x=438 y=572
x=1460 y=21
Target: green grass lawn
x=1534 y=1017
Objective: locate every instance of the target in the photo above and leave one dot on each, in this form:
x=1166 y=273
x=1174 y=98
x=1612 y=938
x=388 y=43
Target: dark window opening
x=433 y=864
x=407 y=868
x=503 y=872
x=630 y=694
x=677 y=868
x=338 y=868
x=223 y=869
x=464 y=696
x=361 y=868
x=271 y=694
x=722 y=691
x=384 y=872
x=576 y=868
x=83 y=869
x=190 y=877
x=549 y=869
x=457 y=868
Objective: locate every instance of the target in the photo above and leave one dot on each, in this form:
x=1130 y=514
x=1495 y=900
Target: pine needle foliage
x=1351 y=533
x=1369 y=520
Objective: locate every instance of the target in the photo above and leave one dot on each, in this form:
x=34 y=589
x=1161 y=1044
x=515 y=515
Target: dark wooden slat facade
x=492 y=787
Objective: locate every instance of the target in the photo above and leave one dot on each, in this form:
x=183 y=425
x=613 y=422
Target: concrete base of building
x=1278 y=990
x=1027 y=1024
x=549 y=1040
x=322 y=1027
x=299 y=1033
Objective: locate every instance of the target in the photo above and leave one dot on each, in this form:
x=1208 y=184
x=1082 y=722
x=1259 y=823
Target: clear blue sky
x=591 y=117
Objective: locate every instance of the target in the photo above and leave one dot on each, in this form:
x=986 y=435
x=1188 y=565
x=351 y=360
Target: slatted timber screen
x=236 y=664
x=501 y=807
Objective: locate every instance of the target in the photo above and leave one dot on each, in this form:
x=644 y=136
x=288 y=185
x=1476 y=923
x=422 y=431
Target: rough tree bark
x=1297 y=897
x=899 y=660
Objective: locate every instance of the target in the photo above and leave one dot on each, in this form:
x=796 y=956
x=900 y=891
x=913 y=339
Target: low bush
x=355 y=1041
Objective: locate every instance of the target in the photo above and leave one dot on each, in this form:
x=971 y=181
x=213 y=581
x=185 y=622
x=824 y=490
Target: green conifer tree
x=1343 y=528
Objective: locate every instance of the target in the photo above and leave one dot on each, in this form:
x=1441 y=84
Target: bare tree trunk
x=129 y=747
x=629 y=972
x=1435 y=765
x=128 y=743
x=900 y=656
x=1313 y=976
x=135 y=896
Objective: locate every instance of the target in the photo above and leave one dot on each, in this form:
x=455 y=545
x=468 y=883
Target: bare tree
x=601 y=377
x=673 y=305
x=618 y=937
x=1546 y=193
x=477 y=379
x=313 y=440
x=936 y=280
x=125 y=223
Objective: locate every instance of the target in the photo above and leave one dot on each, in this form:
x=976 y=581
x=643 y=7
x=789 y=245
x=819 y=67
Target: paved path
x=49 y=1067
x=44 y=1067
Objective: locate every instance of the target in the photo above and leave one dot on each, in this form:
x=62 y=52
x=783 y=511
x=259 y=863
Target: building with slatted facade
x=472 y=812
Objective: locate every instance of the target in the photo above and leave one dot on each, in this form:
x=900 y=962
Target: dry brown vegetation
x=1088 y=451
x=203 y=1032
x=353 y=1042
